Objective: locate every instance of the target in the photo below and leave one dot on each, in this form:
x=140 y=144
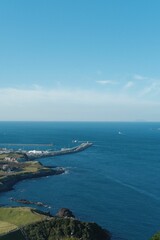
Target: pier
x=42 y=154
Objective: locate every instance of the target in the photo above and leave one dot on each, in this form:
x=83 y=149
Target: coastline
x=8 y=182
x=31 y=168
x=34 y=169
x=28 y=223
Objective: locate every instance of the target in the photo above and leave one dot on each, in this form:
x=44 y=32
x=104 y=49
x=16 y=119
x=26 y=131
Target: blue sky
x=84 y=60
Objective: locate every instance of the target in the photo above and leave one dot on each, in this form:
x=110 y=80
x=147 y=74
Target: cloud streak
x=139 y=77
x=152 y=88
x=73 y=105
x=128 y=85
x=105 y=82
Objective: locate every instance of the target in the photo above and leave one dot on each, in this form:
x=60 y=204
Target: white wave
x=69 y=169
x=137 y=189
x=66 y=172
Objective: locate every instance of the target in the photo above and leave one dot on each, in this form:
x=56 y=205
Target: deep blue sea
x=115 y=183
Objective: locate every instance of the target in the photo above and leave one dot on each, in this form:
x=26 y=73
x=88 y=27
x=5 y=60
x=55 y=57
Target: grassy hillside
x=6 y=227
x=37 y=226
x=12 y=218
x=21 y=171
x=23 y=168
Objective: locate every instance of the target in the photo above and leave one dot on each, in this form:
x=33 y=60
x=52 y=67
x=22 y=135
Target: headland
x=16 y=166
x=24 y=223
x=19 y=165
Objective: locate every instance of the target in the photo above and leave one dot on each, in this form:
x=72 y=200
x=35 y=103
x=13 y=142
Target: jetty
x=43 y=154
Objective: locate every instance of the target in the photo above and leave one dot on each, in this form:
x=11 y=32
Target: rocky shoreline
x=63 y=225
x=28 y=202
x=9 y=181
x=12 y=170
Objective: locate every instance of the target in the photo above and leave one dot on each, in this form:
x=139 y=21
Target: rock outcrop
x=48 y=227
x=65 y=212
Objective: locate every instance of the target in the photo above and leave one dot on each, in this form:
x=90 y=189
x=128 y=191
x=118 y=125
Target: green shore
x=13 y=171
x=16 y=166
x=21 y=223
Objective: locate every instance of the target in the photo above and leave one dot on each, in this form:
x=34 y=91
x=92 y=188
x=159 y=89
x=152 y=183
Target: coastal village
x=15 y=161
x=19 y=165
x=10 y=162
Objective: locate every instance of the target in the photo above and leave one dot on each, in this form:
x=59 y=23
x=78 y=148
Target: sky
x=79 y=60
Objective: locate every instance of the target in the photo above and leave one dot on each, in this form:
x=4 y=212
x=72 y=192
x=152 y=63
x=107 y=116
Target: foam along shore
x=42 y=154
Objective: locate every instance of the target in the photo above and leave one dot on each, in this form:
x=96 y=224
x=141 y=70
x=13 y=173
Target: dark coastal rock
x=28 y=202
x=65 y=212
x=24 y=201
x=9 y=181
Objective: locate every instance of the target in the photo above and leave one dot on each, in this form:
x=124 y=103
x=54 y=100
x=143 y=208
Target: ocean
x=115 y=182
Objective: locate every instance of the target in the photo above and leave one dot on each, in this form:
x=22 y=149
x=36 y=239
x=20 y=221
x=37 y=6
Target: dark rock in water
x=65 y=212
x=24 y=201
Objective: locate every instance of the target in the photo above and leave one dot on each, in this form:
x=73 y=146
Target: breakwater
x=42 y=154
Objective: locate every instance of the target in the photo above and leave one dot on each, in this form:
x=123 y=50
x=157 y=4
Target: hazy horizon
x=79 y=60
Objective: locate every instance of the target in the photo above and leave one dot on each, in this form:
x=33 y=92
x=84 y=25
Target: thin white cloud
x=139 y=77
x=73 y=105
x=149 y=79
x=105 y=82
x=128 y=85
x=152 y=88
x=37 y=87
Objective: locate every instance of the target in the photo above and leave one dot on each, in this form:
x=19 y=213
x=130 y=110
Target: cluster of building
x=9 y=164
x=10 y=159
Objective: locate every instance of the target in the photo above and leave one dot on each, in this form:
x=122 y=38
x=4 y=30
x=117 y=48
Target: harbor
x=42 y=154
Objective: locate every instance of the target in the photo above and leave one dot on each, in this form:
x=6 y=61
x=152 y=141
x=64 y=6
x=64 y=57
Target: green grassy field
x=24 y=168
x=11 y=154
x=6 y=227
x=12 y=218
x=37 y=226
x=33 y=166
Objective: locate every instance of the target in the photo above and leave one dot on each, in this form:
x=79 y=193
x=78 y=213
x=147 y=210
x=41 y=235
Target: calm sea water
x=115 y=183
